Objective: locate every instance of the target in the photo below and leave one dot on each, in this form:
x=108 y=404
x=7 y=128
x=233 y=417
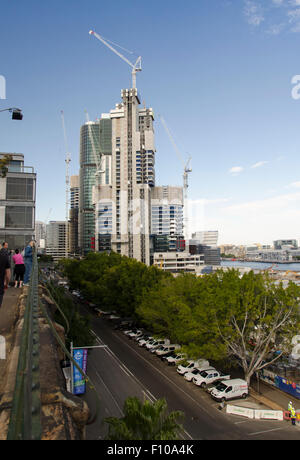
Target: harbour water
x=261 y=265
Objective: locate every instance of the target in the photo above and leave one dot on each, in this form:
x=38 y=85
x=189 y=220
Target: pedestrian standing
x=4 y=248
x=4 y=273
x=19 y=268
x=293 y=416
x=28 y=258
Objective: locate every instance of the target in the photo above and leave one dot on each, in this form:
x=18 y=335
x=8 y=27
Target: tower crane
x=136 y=67
x=67 y=160
x=186 y=172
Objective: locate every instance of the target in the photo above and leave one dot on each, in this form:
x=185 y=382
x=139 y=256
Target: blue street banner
x=80 y=356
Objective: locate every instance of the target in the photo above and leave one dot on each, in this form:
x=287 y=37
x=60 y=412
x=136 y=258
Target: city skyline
x=219 y=72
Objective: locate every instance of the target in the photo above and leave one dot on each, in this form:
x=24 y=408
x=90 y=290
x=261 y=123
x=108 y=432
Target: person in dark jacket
x=28 y=257
x=4 y=273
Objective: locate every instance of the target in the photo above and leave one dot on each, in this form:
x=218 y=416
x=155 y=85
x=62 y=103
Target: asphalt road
x=123 y=369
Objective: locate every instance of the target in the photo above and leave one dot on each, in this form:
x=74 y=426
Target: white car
x=189 y=376
x=166 y=349
x=134 y=334
x=208 y=376
x=144 y=341
x=172 y=360
x=191 y=365
x=155 y=343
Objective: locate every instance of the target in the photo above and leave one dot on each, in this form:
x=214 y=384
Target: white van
x=228 y=389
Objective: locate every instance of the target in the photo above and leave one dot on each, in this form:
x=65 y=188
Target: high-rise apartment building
x=166 y=218
x=119 y=205
x=122 y=205
x=95 y=147
x=17 y=202
x=73 y=215
x=56 y=239
x=40 y=234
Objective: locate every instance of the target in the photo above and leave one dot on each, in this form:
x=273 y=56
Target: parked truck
x=192 y=364
x=209 y=376
x=229 y=389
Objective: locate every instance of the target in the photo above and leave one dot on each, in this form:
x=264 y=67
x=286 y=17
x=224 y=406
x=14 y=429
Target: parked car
x=168 y=355
x=194 y=372
x=141 y=337
x=209 y=376
x=156 y=343
x=134 y=334
x=166 y=349
x=172 y=360
x=189 y=365
x=143 y=342
x=228 y=389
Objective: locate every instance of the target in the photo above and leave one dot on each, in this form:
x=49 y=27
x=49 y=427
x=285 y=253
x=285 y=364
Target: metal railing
x=25 y=419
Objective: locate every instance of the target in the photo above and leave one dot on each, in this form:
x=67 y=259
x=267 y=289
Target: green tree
x=145 y=421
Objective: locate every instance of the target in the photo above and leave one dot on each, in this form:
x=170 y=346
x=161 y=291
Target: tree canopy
x=145 y=421
x=249 y=319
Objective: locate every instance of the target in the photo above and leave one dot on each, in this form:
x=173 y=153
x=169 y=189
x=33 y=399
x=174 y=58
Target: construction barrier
x=258 y=414
x=243 y=411
x=268 y=414
x=287 y=415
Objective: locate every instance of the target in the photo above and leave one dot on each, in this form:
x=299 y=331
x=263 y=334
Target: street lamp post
x=16 y=113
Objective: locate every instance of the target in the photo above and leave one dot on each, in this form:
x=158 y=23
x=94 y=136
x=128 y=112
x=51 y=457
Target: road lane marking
x=108 y=390
x=266 y=431
x=123 y=367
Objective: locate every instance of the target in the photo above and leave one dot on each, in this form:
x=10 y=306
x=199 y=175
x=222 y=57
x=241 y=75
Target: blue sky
x=218 y=71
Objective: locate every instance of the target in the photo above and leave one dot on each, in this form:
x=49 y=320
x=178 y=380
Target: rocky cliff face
x=63 y=416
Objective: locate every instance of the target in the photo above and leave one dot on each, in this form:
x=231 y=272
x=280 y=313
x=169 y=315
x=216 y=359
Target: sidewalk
x=273 y=398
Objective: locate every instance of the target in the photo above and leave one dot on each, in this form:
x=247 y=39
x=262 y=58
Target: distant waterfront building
x=207 y=238
x=56 y=239
x=176 y=262
x=17 y=202
x=278 y=244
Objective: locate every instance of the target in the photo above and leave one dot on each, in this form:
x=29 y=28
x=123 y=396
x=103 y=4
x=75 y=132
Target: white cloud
x=253 y=12
x=287 y=15
x=259 y=164
x=294 y=185
x=236 y=170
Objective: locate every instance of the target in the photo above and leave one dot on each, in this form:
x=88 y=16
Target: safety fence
x=26 y=411
x=260 y=414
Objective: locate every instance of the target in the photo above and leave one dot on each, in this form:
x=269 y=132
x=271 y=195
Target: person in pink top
x=19 y=268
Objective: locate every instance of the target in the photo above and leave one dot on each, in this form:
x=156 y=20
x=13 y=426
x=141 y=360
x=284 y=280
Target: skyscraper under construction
x=117 y=180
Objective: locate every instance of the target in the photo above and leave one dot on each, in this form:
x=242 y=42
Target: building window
x=18 y=217
x=19 y=188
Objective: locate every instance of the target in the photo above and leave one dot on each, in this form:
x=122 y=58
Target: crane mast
x=186 y=172
x=136 y=67
x=67 y=160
